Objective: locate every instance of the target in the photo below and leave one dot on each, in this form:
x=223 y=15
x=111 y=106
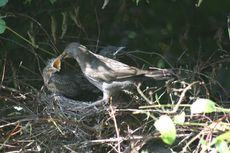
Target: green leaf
x=222 y=147
x=106 y=2
x=225 y=136
x=167 y=129
x=52 y=1
x=137 y=2
x=228 y=23
x=3 y=2
x=2 y=26
x=203 y=105
x=221 y=142
x=199 y=2
x=180 y=118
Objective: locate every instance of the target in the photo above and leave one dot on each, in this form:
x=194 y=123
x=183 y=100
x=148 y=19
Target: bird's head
x=72 y=50
x=53 y=66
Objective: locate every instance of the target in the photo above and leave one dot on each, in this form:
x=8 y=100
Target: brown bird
x=70 y=85
x=107 y=74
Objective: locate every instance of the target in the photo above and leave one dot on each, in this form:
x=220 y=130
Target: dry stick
x=142 y=94
x=3 y=70
x=9 y=124
x=191 y=141
x=182 y=96
x=72 y=151
x=179 y=101
x=112 y=112
x=9 y=89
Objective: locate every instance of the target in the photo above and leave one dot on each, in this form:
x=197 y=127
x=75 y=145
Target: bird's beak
x=64 y=55
x=58 y=60
x=57 y=63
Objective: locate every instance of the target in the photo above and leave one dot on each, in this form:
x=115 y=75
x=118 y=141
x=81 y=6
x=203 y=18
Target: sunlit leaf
x=222 y=147
x=106 y=2
x=199 y=2
x=137 y=2
x=180 y=118
x=225 y=136
x=3 y=2
x=202 y=105
x=167 y=129
x=2 y=26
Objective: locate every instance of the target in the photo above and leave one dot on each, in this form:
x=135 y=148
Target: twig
x=184 y=150
x=142 y=94
x=9 y=89
x=112 y=114
x=183 y=95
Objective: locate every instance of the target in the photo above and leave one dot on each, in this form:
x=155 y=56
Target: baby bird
x=71 y=85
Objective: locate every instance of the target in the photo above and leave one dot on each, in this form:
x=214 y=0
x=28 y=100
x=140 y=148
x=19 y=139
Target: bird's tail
x=160 y=74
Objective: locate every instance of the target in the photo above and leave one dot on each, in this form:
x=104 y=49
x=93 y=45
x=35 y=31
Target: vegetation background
x=190 y=35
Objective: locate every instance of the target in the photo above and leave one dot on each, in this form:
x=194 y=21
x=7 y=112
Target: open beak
x=57 y=63
x=58 y=60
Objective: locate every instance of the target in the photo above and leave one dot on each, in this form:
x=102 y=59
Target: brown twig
x=112 y=114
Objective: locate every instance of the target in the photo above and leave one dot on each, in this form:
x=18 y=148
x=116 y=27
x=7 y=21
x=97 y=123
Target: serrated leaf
x=167 y=129
x=203 y=105
x=180 y=118
x=3 y=2
x=2 y=26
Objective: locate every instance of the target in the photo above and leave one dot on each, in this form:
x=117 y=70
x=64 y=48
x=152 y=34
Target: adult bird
x=107 y=74
x=70 y=85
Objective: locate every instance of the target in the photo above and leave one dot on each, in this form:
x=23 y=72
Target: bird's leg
x=106 y=97
x=105 y=100
x=96 y=103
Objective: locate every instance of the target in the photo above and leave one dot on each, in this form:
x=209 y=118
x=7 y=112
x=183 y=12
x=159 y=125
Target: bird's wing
x=108 y=69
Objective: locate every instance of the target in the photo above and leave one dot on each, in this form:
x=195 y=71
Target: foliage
x=2 y=22
x=3 y=2
x=167 y=129
x=190 y=37
x=203 y=106
x=2 y=26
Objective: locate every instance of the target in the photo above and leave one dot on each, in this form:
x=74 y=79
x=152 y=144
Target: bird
x=70 y=85
x=107 y=74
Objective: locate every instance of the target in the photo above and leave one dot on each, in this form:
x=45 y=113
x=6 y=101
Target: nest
x=53 y=123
